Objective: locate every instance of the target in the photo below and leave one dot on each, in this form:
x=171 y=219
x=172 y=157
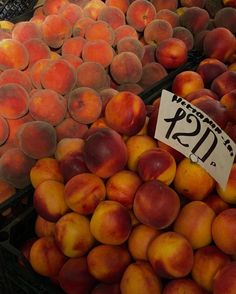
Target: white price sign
x=189 y=130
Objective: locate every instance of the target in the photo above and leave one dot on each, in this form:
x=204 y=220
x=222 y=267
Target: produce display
x=117 y=210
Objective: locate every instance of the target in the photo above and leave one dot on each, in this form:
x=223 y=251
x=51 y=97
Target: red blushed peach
x=25 y=30
x=149 y=54
x=184 y=35
x=72 y=234
x=53 y=6
x=130 y=44
x=74 y=276
x=216 y=203
x=223 y=230
x=45 y=257
x=37 y=139
x=46 y=168
x=43 y=228
x=139 y=277
x=172 y=53
x=121 y=187
x=130 y=113
x=226 y=17
x=55 y=30
x=157 y=30
x=114 y=16
x=224 y=44
x=4 y=130
x=100 y=30
x=168 y=15
x=84 y=105
x=121 y=4
x=224 y=280
x=209 y=69
x=229 y=101
x=176 y=154
x=106 y=95
x=59 y=76
x=224 y=83
x=104 y=288
x=75 y=61
x=139 y=239
x=14 y=101
x=187 y=82
x=200 y=93
x=140 y=13
x=110 y=223
x=72 y=12
x=84 y=192
x=46 y=193
x=13 y=54
x=184 y=285
x=80 y=26
x=194 y=222
x=73 y=46
x=125 y=31
x=165 y=4
x=105 y=152
x=16 y=76
x=15 y=167
x=36 y=70
x=67 y=146
x=170 y=255
x=211 y=259
x=157 y=164
x=107 y=263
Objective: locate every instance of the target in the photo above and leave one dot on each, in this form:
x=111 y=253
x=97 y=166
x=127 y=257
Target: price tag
x=189 y=130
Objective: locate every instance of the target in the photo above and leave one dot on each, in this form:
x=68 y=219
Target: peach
x=126 y=67
x=107 y=263
x=228 y=100
x=186 y=82
x=14 y=101
x=186 y=285
x=224 y=44
x=165 y=4
x=130 y=87
x=139 y=14
x=130 y=44
x=100 y=30
x=106 y=95
x=170 y=255
x=184 y=35
x=216 y=203
x=168 y=15
x=25 y=30
x=55 y=30
x=139 y=277
x=84 y=192
x=224 y=279
x=74 y=276
x=13 y=54
x=209 y=69
x=25 y=251
x=46 y=193
x=154 y=196
x=121 y=187
x=92 y=8
x=114 y=16
x=46 y=168
x=75 y=61
x=4 y=130
x=6 y=25
x=45 y=257
x=72 y=234
x=73 y=45
x=194 y=222
x=172 y=53
x=152 y=73
x=70 y=128
x=229 y=193
x=136 y=145
x=224 y=83
x=36 y=70
x=110 y=223
x=230 y=3
x=80 y=26
x=15 y=167
x=47 y=105
x=91 y=74
x=43 y=228
x=67 y=146
x=176 y=154
x=199 y=40
x=16 y=76
x=149 y=54
x=124 y=31
x=157 y=164
x=125 y=122
x=191 y=3
x=53 y=6
x=157 y=30
x=104 y=288
x=59 y=76
x=200 y=93
x=84 y=104
x=71 y=12
x=121 y=4
x=211 y=259
x=226 y=17
x=139 y=240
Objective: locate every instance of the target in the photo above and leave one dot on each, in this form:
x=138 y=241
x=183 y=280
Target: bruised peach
x=70 y=128
x=72 y=234
x=154 y=196
x=105 y=152
x=45 y=257
x=130 y=113
x=170 y=255
x=74 y=276
x=73 y=46
x=107 y=263
x=43 y=228
x=157 y=30
x=194 y=223
x=16 y=76
x=182 y=285
x=110 y=223
x=114 y=16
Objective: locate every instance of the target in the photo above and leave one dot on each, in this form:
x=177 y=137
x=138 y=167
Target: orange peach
x=186 y=285
x=157 y=30
x=216 y=203
x=171 y=255
x=53 y=6
x=107 y=263
x=106 y=95
x=122 y=4
x=75 y=61
x=43 y=228
x=45 y=257
x=224 y=281
x=194 y=222
x=72 y=234
x=110 y=223
x=36 y=70
x=124 y=31
x=16 y=76
x=100 y=30
x=72 y=12
x=73 y=46
x=25 y=30
x=80 y=26
x=70 y=128
x=114 y=16
x=139 y=277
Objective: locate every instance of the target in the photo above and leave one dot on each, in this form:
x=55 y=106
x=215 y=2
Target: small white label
x=189 y=130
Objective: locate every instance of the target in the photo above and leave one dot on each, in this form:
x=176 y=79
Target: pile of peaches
x=117 y=210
